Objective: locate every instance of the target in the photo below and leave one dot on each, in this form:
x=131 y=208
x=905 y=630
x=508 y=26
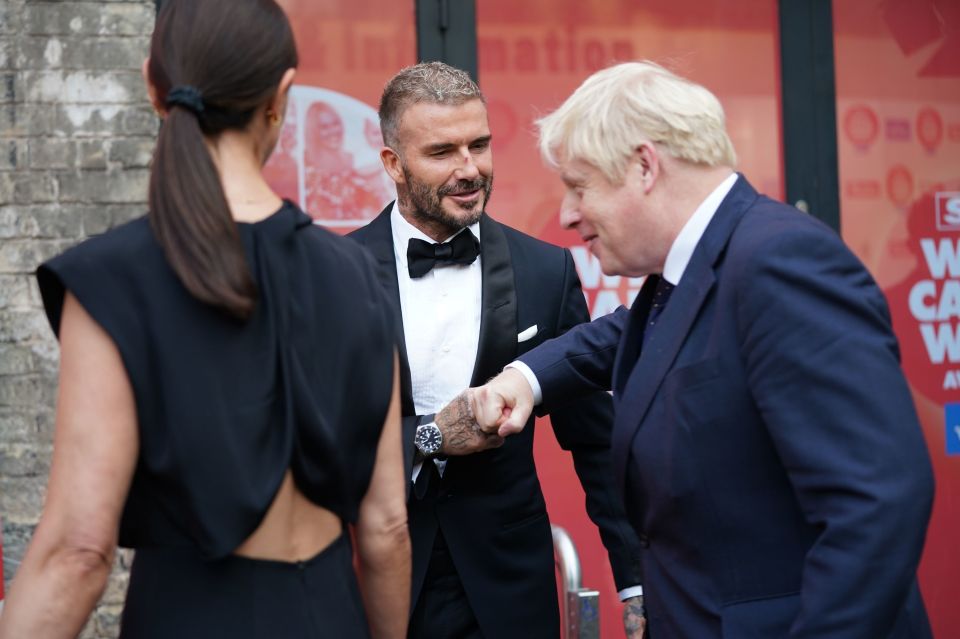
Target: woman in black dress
x=228 y=396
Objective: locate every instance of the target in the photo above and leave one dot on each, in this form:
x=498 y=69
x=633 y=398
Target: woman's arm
x=95 y=450
x=383 y=541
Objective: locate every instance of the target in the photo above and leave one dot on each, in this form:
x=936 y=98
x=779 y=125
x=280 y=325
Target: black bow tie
x=423 y=256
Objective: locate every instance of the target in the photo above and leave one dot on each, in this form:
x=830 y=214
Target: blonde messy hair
x=617 y=108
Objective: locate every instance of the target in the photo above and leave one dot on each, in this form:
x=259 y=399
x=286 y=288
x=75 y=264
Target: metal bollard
x=580 y=607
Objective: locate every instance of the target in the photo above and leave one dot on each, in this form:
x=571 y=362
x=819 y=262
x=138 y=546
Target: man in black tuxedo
x=474 y=294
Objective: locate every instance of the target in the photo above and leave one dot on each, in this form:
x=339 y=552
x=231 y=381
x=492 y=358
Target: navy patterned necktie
x=661 y=295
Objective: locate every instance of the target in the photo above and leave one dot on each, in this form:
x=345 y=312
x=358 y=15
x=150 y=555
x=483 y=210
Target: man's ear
x=152 y=90
x=646 y=158
x=392 y=164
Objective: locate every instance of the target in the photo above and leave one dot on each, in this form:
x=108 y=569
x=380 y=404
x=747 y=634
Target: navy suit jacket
x=489 y=505
x=765 y=438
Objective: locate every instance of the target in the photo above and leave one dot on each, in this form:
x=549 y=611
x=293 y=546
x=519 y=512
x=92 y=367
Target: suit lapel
x=498 y=316
x=629 y=347
x=644 y=375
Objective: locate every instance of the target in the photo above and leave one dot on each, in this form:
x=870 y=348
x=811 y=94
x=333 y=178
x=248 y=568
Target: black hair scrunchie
x=187 y=97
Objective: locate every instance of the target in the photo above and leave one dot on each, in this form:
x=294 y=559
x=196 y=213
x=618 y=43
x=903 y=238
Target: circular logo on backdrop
x=900 y=185
x=861 y=126
x=929 y=128
x=328 y=158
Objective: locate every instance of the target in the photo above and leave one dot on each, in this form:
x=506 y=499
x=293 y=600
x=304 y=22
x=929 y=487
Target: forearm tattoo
x=633 y=619
x=461 y=434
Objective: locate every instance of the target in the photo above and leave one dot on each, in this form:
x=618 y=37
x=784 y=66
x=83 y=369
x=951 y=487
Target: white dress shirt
x=441 y=322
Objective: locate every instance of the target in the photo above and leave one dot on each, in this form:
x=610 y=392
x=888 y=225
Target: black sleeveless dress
x=226 y=407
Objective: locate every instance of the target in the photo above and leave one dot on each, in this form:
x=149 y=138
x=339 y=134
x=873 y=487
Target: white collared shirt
x=683 y=246
x=441 y=321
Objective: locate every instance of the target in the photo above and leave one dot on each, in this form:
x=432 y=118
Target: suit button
x=644 y=541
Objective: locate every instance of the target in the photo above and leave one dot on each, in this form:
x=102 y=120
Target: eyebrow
x=446 y=146
x=571 y=180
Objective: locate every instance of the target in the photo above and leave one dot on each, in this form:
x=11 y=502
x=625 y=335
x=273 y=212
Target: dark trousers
x=442 y=610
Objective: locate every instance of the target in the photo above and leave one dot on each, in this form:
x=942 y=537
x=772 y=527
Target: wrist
x=428 y=440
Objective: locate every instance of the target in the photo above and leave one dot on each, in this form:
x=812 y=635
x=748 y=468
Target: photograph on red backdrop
x=898 y=123
x=327 y=159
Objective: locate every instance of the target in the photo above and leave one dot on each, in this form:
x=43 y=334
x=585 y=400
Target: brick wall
x=76 y=134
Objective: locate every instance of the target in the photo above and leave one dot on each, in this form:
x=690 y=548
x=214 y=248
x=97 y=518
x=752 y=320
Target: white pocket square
x=523 y=336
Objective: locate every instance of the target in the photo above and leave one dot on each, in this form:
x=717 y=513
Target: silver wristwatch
x=428 y=439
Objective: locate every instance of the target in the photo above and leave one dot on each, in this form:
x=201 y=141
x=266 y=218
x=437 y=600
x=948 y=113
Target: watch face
x=428 y=439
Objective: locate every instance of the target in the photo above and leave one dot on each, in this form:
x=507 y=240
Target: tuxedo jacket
x=489 y=505
x=765 y=438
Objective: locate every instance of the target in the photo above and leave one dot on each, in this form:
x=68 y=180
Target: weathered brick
x=51 y=153
x=21 y=500
x=24 y=460
x=141 y=120
x=21 y=326
x=84 y=86
x=46 y=355
x=11 y=86
x=132 y=152
x=10 y=17
x=103 y=53
x=29 y=424
x=26 y=390
x=14 y=154
x=60 y=18
x=80 y=121
x=95 y=186
x=92 y=154
x=41 y=221
x=15 y=359
x=8 y=49
x=24 y=256
x=19 y=119
x=14 y=289
x=100 y=219
x=32 y=188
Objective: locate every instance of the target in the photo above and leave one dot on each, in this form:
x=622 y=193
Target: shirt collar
x=404 y=231
x=682 y=249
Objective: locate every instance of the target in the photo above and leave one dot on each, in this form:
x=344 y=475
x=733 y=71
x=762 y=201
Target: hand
x=461 y=434
x=634 y=621
x=504 y=404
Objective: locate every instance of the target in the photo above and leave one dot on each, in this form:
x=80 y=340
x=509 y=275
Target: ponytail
x=213 y=63
x=192 y=221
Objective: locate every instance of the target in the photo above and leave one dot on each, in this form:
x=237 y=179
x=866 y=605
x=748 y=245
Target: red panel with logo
x=898 y=111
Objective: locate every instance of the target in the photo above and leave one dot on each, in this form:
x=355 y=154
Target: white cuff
x=530 y=377
x=632 y=591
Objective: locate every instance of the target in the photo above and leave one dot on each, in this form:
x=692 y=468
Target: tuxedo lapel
x=377 y=237
x=498 y=316
x=644 y=375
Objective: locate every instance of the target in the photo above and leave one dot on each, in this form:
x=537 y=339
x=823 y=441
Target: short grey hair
x=433 y=82
x=619 y=107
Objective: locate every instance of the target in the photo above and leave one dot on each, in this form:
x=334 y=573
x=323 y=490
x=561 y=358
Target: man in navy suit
x=765 y=439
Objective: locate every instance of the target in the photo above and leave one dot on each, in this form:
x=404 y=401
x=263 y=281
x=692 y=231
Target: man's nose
x=569 y=213
x=468 y=168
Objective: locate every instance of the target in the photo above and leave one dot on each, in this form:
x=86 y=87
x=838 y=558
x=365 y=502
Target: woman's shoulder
x=128 y=244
